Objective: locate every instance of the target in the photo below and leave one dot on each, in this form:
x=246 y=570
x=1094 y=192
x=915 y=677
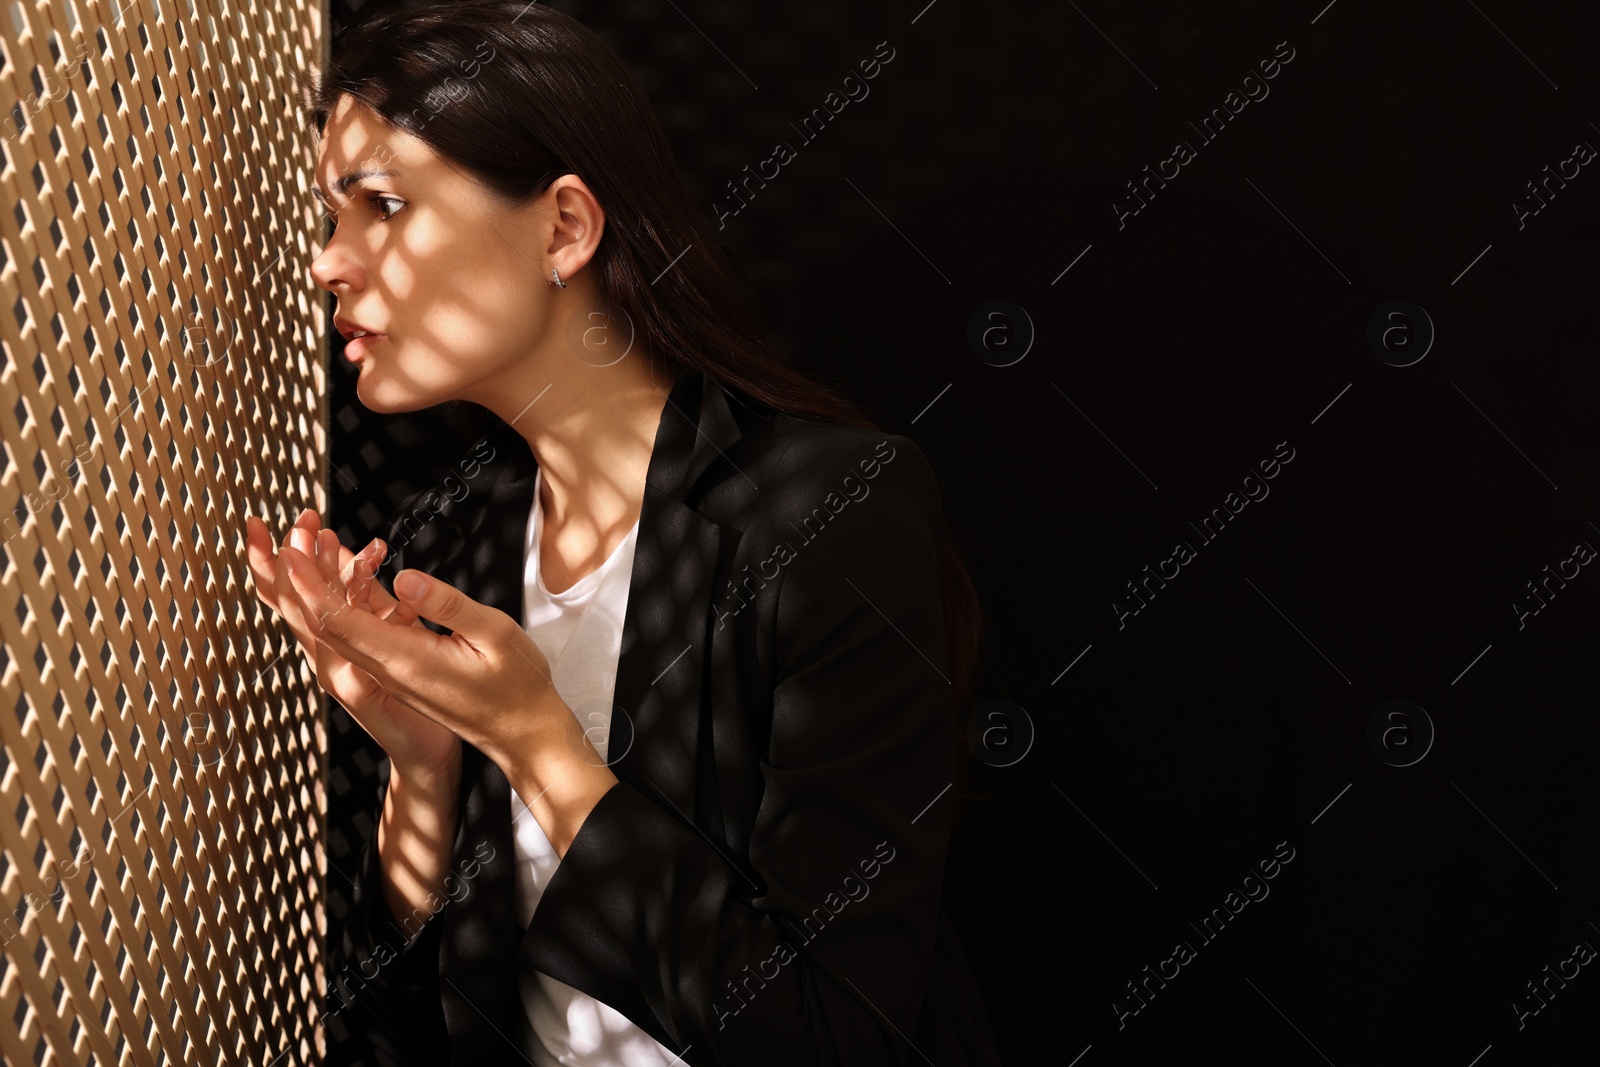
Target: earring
x=555 y=279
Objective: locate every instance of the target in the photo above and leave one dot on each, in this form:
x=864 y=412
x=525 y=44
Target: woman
x=669 y=692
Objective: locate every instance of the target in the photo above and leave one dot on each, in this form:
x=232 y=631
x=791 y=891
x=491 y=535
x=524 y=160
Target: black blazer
x=763 y=884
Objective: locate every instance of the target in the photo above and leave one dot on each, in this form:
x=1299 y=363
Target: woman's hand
x=487 y=682
x=415 y=743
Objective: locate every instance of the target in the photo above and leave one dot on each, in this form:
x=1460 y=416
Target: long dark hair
x=532 y=94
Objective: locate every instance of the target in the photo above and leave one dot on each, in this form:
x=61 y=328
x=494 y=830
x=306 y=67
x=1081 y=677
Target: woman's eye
x=382 y=202
x=386 y=206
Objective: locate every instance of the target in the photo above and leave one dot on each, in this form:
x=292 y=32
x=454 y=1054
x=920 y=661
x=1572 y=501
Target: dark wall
x=1154 y=752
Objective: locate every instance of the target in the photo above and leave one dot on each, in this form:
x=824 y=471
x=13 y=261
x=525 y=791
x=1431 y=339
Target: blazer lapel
x=658 y=708
x=680 y=553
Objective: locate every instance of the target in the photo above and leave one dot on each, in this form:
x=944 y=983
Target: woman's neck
x=593 y=434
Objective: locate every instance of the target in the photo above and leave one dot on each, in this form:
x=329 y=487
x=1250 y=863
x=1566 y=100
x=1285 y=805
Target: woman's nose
x=333 y=267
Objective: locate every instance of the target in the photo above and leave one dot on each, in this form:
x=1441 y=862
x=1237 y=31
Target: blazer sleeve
x=383 y=973
x=826 y=955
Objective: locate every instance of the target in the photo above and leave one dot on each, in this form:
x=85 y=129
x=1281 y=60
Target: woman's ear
x=577 y=222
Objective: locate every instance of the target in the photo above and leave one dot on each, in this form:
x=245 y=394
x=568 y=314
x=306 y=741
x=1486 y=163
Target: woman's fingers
x=302 y=536
x=356 y=572
x=290 y=605
x=352 y=572
x=358 y=576
x=262 y=554
x=358 y=635
x=327 y=557
x=261 y=557
x=352 y=575
x=360 y=572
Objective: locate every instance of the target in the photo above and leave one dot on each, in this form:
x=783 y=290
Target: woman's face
x=453 y=285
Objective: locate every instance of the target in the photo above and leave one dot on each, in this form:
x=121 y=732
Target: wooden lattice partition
x=161 y=838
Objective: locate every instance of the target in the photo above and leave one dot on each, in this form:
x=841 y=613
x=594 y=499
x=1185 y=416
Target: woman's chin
x=374 y=396
x=384 y=399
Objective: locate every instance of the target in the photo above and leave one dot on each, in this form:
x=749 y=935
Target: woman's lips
x=356 y=350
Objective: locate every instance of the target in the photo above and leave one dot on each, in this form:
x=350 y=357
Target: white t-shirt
x=580 y=632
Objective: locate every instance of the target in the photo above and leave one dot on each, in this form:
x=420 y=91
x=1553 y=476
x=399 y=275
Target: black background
x=1181 y=348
